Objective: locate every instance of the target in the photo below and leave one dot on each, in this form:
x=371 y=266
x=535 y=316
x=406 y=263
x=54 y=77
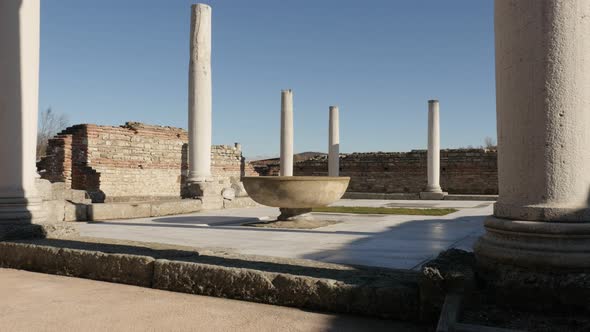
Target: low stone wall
x=131 y=162
x=463 y=171
x=385 y=293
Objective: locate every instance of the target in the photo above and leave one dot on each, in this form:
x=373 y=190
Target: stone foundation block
x=427 y=195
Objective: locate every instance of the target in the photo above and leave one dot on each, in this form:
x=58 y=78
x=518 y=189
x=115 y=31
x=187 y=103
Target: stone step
x=378 y=292
x=130 y=210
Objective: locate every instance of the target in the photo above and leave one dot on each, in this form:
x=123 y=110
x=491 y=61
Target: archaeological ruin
x=162 y=207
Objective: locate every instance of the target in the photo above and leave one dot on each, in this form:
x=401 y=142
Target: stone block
x=108 y=211
x=44 y=189
x=180 y=206
x=228 y=193
x=120 y=268
x=77 y=196
x=54 y=210
x=76 y=212
x=453 y=271
x=239 y=202
x=396 y=300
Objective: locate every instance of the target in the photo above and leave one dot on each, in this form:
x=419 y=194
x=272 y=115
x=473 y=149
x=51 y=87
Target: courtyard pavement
x=40 y=302
x=392 y=241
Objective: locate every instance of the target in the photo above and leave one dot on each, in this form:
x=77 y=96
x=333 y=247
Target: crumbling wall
x=463 y=171
x=131 y=162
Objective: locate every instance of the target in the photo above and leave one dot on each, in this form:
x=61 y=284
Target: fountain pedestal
x=288 y=214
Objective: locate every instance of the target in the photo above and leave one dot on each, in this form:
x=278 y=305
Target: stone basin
x=295 y=195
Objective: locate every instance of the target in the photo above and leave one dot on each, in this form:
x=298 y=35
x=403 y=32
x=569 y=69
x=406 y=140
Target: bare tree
x=489 y=143
x=50 y=123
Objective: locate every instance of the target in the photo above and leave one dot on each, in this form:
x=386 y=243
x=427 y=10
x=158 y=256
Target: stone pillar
x=286 y=133
x=542 y=216
x=334 y=143
x=199 y=106
x=433 y=190
x=19 y=91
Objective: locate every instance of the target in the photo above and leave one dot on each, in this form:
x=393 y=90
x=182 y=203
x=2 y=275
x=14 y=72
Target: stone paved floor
x=39 y=302
x=393 y=241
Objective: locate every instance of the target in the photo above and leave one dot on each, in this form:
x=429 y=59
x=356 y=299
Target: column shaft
x=19 y=91
x=200 y=95
x=334 y=143
x=543 y=103
x=433 y=147
x=286 y=133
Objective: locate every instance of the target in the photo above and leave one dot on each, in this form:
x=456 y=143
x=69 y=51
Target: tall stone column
x=334 y=143
x=199 y=107
x=286 y=133
x=433 y=189
x=542 y=217
x=19 y=91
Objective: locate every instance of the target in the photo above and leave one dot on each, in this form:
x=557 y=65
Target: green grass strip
x=384 y=210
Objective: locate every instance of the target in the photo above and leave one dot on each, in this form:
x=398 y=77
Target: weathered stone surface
x=26 y=231
x=75 y=212
x=228 y=193
x=452 y=270
x=126 y=210
x=121 y=268
x=396 y=301
x=289 y=282
x=54 y=210
x=108 y=211
x=239 y=202
x=238 y=186
x=180 y=206
x=527 y=289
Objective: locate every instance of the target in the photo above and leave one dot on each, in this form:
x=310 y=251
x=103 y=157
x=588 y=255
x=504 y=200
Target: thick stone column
x=542 y=217
x=19 y=91
x=199 y=107
x=433 y=189
x=334 y=143
x=286 y=133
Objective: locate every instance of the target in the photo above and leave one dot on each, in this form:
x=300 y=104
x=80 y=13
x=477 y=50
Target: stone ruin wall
x=463 y=171
x=131 y=162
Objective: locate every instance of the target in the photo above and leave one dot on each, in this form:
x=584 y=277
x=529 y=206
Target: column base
x=21 y=210
x=550 y=246
x=535 y=265
x=539 y=212
x=433 y=195
x=288 y=214
x=209 y=192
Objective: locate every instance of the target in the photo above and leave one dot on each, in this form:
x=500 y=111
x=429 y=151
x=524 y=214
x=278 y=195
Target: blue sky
x=112 y=61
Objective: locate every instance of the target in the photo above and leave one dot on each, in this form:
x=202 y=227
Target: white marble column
x=433 y=147
x=433 y=189
x=542 y=216
x=286 y=133
x=334 y=143
x=19 y=91
x=199 y=108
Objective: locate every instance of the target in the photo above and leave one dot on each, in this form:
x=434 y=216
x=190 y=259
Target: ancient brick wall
x=463 y=171
x=133 y=161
